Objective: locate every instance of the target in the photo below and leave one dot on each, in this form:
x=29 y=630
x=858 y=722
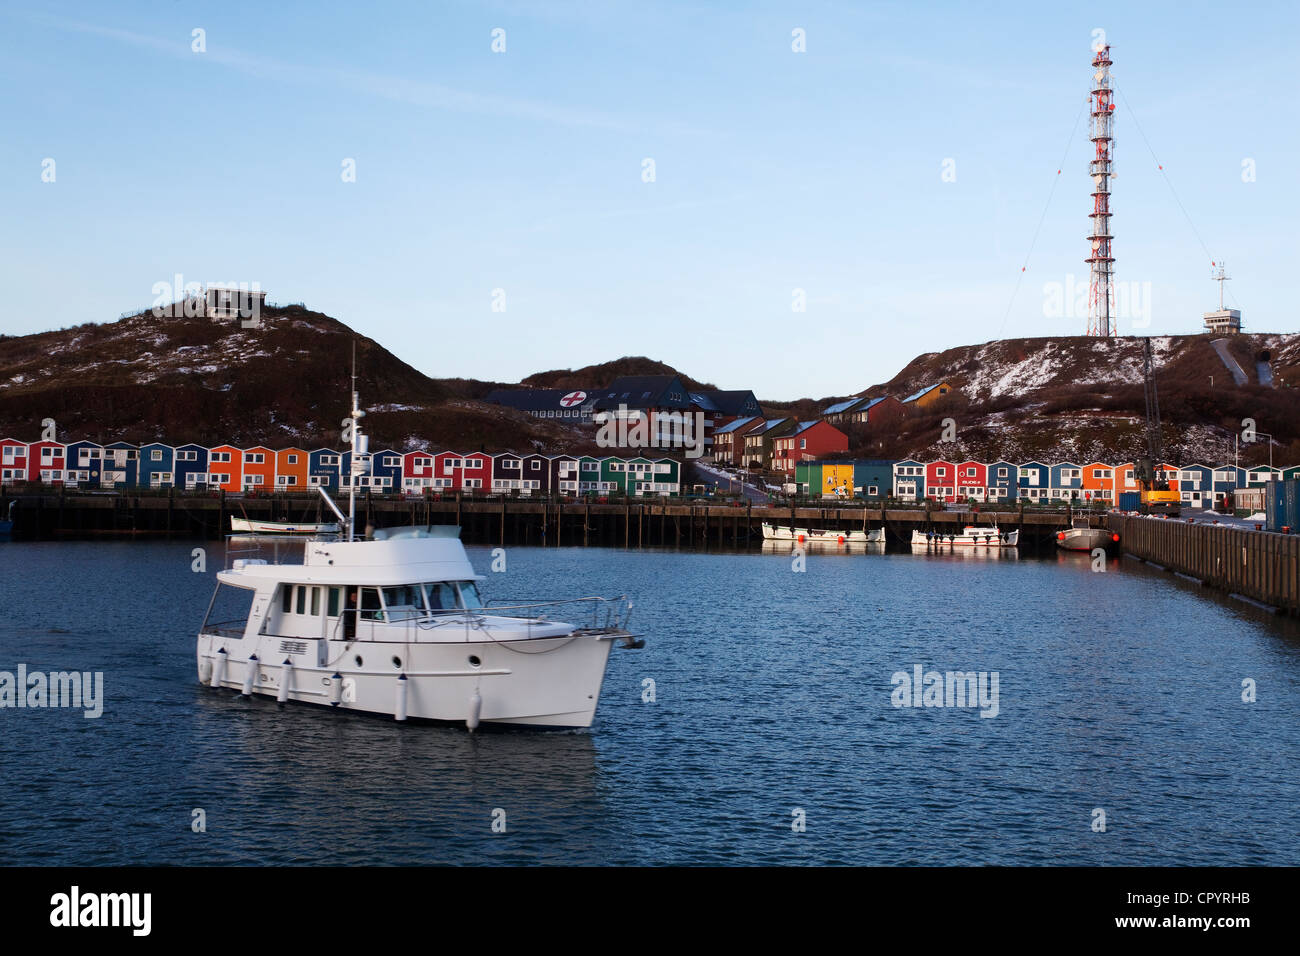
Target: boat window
x=405 y=596
x=302 y=599
x=371 y=609
x=469 y=595
x=442 y=596
x=286 y=598
x=333 y=603
x=315 y=602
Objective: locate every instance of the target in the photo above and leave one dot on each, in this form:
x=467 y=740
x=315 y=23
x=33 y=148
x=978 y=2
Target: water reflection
x=354 y=779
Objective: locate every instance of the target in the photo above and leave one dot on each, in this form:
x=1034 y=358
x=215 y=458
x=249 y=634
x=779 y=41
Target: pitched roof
x=768 y=426
x=531 y=399
x=726 y=402
x=840 y=406
x=915 y=395
x=733 y=426
x=640 y=391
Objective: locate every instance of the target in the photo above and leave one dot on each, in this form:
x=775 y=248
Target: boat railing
x=269 y=548
x=601 y=613
x=591 y=614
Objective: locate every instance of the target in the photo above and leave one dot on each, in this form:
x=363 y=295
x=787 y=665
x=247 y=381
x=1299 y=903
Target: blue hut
x=84 y=465
x=1002 y=481
x=1035 y=479
x=875 y=476
x=190 y=469
x=1196 y=485
x=386 y=472
x=1066 y=480
x=323 y=466
x=1226 y=480
x=909 y=479
x=121 y=465
x=156 y=463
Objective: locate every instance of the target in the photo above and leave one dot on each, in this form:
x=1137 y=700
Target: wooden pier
x=500 y=520
x=1258 y=565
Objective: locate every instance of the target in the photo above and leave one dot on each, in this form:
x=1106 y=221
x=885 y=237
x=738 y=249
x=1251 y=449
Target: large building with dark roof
x=568 y=404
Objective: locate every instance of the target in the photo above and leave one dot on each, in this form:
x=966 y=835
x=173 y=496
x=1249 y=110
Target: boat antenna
x=359 y=448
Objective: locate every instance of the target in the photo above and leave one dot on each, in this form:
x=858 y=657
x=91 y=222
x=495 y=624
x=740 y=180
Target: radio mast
x=1101 y=296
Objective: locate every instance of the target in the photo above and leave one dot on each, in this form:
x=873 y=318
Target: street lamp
x=1270 y=446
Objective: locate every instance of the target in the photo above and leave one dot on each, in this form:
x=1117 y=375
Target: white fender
x=286 y=678
x=336 y=689
x=205 y=671
x=250 y=676
x=399 y=711
x=475 y=709
x=219 y=668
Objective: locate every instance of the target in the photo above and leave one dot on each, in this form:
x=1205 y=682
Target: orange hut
x=1125 y=479
x=1099 y=482
x=259 y=469
x=226 y=468
x=291 y=469
x=1169 y=473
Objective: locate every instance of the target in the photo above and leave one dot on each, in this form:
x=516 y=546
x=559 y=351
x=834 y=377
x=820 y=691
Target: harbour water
x=773 y=693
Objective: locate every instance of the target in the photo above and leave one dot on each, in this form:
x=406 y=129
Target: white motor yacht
x=394 y=624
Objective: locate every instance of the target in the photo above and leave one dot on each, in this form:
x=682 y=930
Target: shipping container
x=1282 y=500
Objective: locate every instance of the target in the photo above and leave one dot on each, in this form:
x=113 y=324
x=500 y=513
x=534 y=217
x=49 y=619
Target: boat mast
x=359 y=449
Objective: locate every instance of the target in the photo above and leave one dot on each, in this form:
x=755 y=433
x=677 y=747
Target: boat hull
x=990 y=538
x=248 y=525
x=1083 y=539
x=780 y=533
x=538 y=682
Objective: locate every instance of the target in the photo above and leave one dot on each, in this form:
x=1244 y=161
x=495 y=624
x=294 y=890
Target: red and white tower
x=1101 y=294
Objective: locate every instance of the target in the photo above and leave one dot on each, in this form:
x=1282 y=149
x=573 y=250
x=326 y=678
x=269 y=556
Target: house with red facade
x=941 y=480
x=417 y=472
x=45 y=462
x=972 y=480
x=13 y=460
x=807 y=441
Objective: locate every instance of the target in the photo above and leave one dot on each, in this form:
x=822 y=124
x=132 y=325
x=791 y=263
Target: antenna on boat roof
x=357 y=460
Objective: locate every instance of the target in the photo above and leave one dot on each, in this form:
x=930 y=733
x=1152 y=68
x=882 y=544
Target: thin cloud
x=396 y=89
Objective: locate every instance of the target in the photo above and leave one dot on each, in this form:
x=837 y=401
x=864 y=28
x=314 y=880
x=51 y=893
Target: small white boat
x=249 y=526
x=1081 y=537
x=805 y=535
x=972 y=536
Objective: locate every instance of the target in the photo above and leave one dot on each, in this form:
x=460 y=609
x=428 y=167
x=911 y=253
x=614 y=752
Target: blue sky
x=522 y=171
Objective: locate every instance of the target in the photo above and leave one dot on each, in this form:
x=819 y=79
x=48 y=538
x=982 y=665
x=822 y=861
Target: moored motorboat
x=1080 y=537
x=773 y=532
x=973 y=536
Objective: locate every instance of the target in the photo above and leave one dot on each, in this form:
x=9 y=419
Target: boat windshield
x=437 y=597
